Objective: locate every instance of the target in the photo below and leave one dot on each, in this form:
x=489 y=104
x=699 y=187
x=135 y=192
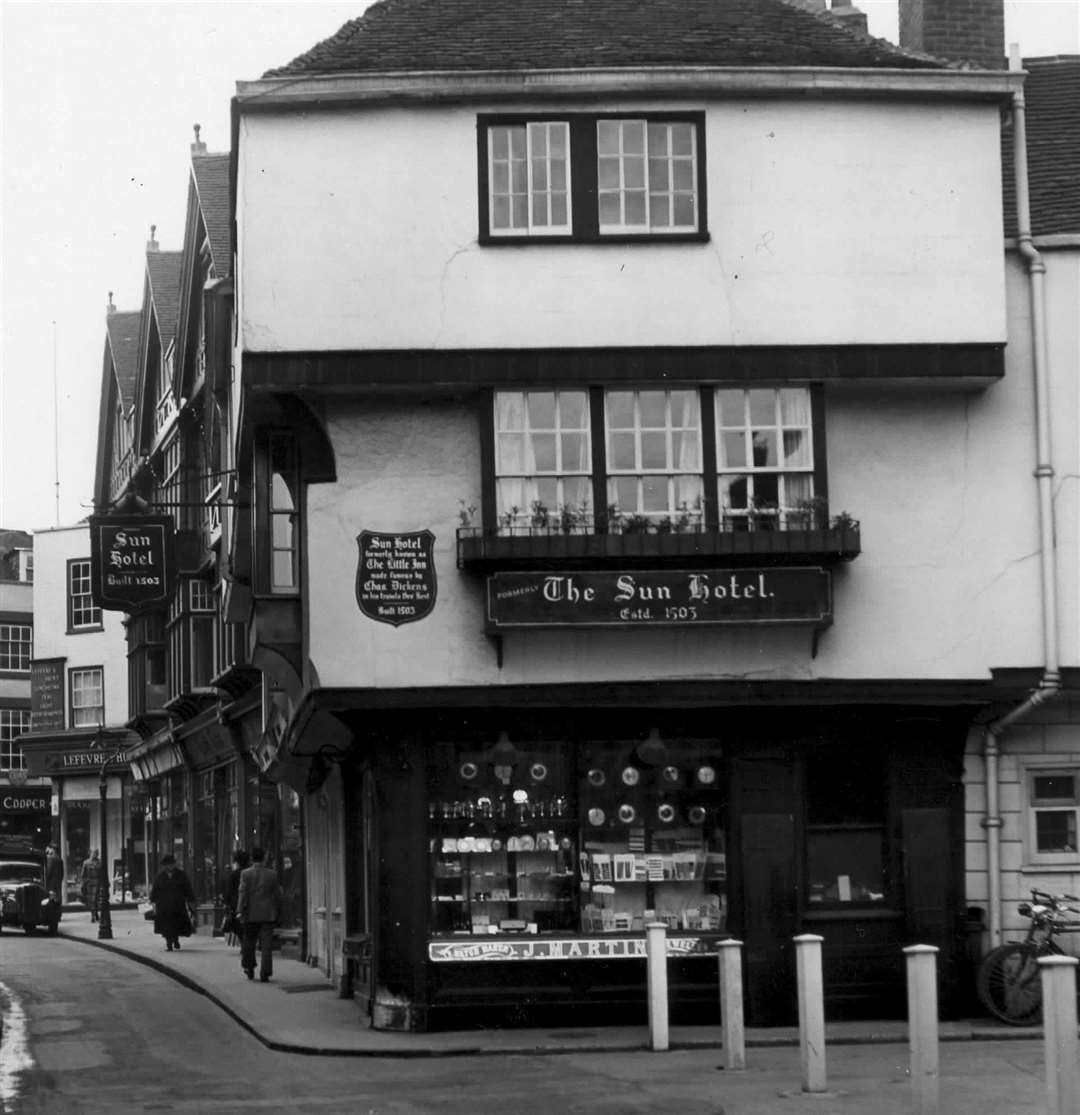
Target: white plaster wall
x=107 y=647
x=831 y=223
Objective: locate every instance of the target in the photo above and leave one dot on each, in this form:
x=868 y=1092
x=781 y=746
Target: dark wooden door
x=769 y=916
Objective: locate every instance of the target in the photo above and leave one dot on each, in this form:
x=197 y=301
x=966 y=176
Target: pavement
x=300 y=1011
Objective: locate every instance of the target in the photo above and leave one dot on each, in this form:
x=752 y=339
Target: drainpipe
x=1050 y=684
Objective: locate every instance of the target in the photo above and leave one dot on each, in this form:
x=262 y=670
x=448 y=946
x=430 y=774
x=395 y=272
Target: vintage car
x=24 y=901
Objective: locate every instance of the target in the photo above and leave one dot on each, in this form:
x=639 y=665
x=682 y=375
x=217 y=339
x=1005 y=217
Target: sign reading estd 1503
x=643 y=597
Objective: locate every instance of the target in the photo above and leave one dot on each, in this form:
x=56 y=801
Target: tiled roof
x=1052 y=96
x=418 y=35
x=123 y=335
x=163 y=275
x=212 y=183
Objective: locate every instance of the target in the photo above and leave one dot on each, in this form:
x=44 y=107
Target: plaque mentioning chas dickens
x=395 y=577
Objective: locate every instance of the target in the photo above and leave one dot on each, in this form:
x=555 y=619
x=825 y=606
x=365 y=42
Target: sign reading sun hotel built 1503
x=395 y=576
x=132 y=561
x=669 y=597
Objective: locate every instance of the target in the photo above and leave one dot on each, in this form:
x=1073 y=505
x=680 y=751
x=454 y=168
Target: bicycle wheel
x=1009 y=984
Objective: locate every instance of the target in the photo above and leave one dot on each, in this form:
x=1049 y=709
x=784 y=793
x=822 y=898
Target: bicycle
x=1009 y=984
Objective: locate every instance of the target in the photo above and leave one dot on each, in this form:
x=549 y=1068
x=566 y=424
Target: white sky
x=97 y=104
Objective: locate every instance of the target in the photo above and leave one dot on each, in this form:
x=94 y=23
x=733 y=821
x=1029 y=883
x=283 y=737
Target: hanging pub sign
x=132 y=561
x=659 y=598
x=395 y=576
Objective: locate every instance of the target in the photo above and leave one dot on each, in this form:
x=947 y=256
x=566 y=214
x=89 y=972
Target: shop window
x=83 y=614
x=87 y=690
x=535 y=839
x=13 y=723
x=584 y=177
x=16 y=647
x=845 y=828
x=1053 y=815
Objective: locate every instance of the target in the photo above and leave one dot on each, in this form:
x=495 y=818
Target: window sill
x=486 y=240
x=479 y=550
x=95 y=629
x=1070 y=866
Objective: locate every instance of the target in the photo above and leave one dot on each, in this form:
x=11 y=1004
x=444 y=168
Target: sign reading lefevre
x=683 y=597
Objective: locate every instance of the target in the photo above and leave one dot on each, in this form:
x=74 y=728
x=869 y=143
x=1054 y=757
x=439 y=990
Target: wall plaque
x=395 y=576
x=658 y=598
x=132 y=561
x=47 y=695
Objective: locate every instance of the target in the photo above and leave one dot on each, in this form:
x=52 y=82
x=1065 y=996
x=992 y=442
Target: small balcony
x=751 y=538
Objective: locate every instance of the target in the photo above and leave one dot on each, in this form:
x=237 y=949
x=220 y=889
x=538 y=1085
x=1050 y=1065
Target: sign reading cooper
x=132 y=561
x=395 y=576
x=26 y=801
x=650 y=598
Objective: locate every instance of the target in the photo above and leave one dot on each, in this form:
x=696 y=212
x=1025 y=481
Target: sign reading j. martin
x=668 y=597
x=132 y=561
x=579 y=948
x=395 y=576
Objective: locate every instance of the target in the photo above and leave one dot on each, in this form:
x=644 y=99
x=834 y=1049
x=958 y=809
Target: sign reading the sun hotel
x=131 y=561
x=395 y=576
x=651 y=598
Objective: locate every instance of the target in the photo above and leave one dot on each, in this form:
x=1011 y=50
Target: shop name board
x=582 y=948
x=395 y=576
x=80 y=760
x=132 y=561
x=47 y=694
x=670 y=597
x=25 y=801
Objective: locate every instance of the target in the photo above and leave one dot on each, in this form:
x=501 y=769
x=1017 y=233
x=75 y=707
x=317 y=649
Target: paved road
x=104 y=1034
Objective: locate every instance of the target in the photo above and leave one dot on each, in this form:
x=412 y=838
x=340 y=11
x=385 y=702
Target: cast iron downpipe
x=1050 y=684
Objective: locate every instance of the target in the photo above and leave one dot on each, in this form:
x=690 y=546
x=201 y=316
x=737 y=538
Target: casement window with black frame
x=194 y=655
x=685 y=459
x=82 y=613
x=1053 y=815
x=592 y=177
x=277 y=514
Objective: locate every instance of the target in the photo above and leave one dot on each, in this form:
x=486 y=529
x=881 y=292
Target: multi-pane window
x=764 y=453
x=204 y=663
x=542 y=457
x=171 y=488
x=87 y=697
x=590 y=177
x=13 y=723
x=83 y=613
x=16 y=646
x=654 y=453
x=646 y=176
x=529 y=173
x=1053 y=813
x=282 y=515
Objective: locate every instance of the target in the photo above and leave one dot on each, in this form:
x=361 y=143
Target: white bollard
x=656 y=960
x=923 y=1028
x=1059 y=1033
x=811 y=1011
x=731 y=1004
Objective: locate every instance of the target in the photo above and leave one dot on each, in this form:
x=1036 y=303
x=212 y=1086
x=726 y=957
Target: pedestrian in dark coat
x=91 y=884
x=173 y=899
x=54 y=872
x=258 y=907
x=231 y=922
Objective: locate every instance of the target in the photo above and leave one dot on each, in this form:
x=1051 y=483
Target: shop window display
x=593 y=840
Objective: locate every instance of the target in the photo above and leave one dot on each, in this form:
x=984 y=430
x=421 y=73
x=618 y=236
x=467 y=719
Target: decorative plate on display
x=596 y=816
x=483 y=843
x=526 y=844
x=468 y=771
x=566 y=843
x=706 y=776
x=631 y=776
x=671 y=774
x=627 y=814
x=513 y=844
x=496 y=844
x=466 y=844
x=538 y=772
x=696 y=815
x=666 y=813
x=596 y=777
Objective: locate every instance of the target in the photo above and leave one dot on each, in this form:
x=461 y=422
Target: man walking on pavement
x=258 y=909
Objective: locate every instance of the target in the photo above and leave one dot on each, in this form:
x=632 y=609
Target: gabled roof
x=163 y=280
x=211 y=174
x=1052 y=98
x=122 y=337
x=461 y=35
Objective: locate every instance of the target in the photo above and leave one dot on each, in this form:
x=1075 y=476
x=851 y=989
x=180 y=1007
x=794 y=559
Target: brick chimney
x=198 y=147
x=960 y=30
x=152 y=244
x=848 y=15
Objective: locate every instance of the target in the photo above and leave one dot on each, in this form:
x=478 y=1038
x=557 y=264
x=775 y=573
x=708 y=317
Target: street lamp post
x=105 y=909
